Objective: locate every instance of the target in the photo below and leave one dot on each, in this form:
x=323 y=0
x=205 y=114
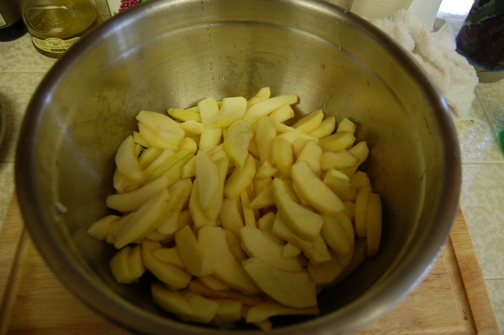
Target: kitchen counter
x=22 y=68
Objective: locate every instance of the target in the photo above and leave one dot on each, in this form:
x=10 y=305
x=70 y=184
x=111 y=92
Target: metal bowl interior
x=174 y=53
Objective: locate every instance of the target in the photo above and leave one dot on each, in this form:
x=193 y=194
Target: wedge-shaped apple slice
x=100 y=228
x=210 y=138
x=234 y=244
x=213 y=283
x=261 y=95
x=303 y=222
x=257 y=244
x=180 y=192
x=222 y=162
x=192 y=128
x=169 y=255
x=182 y=114
x=360 y=179
x=136 y=266
x=265 y=107
x=237 y=139
x=335 y=236
x=232 y=109
x=282 y=155
x=148 y=156
x=346 y=125
x=229 y=311
x=207 y=174
x=281 y=285
x=198 y=215
x=325 y=128
x=153 y=140
x=240 y=178
x=263 y=199
x=339 y=183
x=338 y=141
x=203 y=309
x=167 y=164
x=191 y=254
x=325 y=274
x=265 y=224
x=141 y=220
x=265 y=133
x=165 y=128
x=230 y=215
x=290 y=250
x=361 y=209
x=313 y=191
x=267 y=309
x=282 y=113
x=160 y=159
x=131 y=201
x=311 y=154
x=310 y=121
x=120 y=268
x=171 y=301
x=208 y=109
x=266 y=170
x=127 y=161
x=315 y=249
x=374 y=224
x=226 y=268
x=171 y=275
x=340 y=160
x=198 y=287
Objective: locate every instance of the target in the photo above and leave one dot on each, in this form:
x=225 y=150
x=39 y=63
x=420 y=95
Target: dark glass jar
x=11 y=24
x=481 y=39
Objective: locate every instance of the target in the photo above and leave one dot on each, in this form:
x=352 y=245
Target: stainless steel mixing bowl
x=174 y=53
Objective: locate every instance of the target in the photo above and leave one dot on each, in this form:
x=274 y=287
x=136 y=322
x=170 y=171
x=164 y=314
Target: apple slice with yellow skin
x=340 y=160
x=265 y=224
x=131 y=201
x=169 y=300
x=267 y=309
x=210 y=138
x=257 y=244
x=339 y=183
x=171 y=275
x=261 y=95
x=139 y=140
x=230 y=216
x=222 y=162
x=282 y=113
x=213 y=283
x=335 y=236
x=263 y=199
x=237 y=138
x=175 y=172
x=198 y=214
x=126 y=159
x=192 y=128
x=119 y=266
x=290 y=250
x=207 y=174
x=99 y=228
x=229 y=311
x=310 y=121
x=360 y=179
x=337 y=142
x=208 y=109
x=315 y=249
x=141 y=221
x=282 y=155
x=265 y=107
x=265 y=133
x=313 y=191
x=249 y=216
x=154 y=140
x=266 y=170
x=191 y=254
x=346 y=125
x=232 y=109
x=226 y=268
x=136 y=265
x=148 y=156
x=300 y=220
x=182 y=114
x=326 y=273
x=165 y=128
x=190 y=145
x=361 y=209
x=240 y=178
x=203 y=309
x=166 y=165
x=325 y=128
x=180 y=192
x=163 y=156
x=293 y=289
x=374 y=224
x=170 y=256
x=311 y=154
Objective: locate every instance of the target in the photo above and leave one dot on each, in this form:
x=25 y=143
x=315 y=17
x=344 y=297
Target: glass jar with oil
x=55 y=25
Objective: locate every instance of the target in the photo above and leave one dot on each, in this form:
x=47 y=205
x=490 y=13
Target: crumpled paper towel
x=455 y=78
x=413 y=25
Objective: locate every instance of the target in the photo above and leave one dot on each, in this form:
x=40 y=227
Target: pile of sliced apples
x=240 y=216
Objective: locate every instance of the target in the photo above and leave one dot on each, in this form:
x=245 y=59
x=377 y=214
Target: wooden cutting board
x=452 y=299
